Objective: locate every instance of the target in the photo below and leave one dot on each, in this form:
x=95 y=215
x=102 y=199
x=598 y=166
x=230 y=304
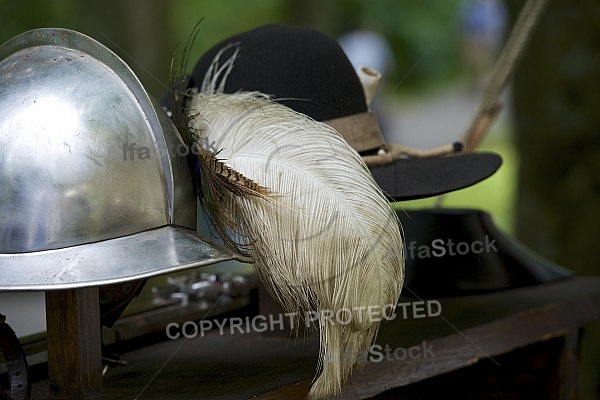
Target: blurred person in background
x=483 y=25
x=366 y=48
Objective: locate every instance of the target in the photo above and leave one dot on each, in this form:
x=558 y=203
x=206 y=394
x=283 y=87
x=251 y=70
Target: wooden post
x=74 y=346
x=568 y=366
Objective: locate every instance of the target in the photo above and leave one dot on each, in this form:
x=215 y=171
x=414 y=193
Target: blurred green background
x=423 y=36
x=410 y=26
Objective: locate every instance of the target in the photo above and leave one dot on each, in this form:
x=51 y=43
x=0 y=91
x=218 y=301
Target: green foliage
x=20 y=16
x=424 y=36
x=220 y=19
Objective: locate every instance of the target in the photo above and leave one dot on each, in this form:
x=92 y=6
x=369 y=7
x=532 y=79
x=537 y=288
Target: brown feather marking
x=233 y=181
x=217 y=187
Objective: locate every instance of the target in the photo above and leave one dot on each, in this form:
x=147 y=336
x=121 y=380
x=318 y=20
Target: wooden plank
x=224 y=365
x=575 y=304
x=74 y=347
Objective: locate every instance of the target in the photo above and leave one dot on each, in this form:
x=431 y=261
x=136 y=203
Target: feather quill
x=324 y=242
x=319 y=227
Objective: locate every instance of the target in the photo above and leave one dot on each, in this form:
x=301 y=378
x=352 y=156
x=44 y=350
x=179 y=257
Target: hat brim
x=415 y=178
x=142 y=255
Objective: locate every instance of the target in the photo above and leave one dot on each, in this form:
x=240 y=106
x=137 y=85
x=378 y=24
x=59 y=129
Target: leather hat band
x=361 y=131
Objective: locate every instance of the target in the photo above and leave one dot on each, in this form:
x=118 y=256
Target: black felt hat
x=466 y=253
x=309 y=72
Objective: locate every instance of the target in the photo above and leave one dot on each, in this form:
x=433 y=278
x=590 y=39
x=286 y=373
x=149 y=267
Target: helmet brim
x=154 y=252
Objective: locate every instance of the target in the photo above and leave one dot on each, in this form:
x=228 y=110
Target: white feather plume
x=325 y=240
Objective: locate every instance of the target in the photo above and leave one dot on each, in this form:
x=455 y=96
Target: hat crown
x=84 y=156
x=301 y=68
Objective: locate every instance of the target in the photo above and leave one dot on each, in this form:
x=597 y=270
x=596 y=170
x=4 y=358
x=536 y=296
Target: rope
x=488 y=106
x=393 y=151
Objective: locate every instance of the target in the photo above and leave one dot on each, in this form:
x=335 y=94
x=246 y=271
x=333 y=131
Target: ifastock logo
x=342 y=316
x=133 y=151
x=376 y=353
x=441 y=248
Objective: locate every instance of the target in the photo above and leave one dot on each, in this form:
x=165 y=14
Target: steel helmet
x=94 y=182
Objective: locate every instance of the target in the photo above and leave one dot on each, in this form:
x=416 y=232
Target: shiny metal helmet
x=94 y=182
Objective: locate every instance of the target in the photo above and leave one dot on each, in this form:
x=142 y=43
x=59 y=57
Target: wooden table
x=519 y=343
